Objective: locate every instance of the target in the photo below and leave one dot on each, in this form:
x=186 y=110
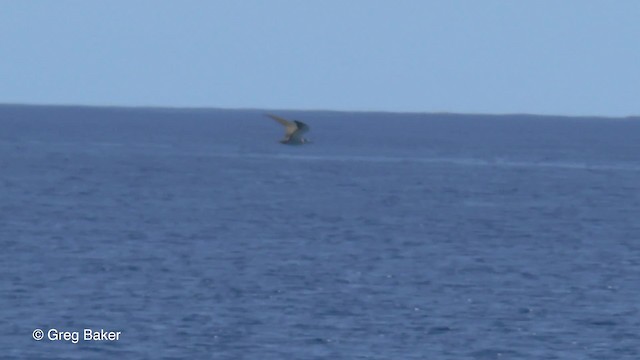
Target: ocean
x=194 y=234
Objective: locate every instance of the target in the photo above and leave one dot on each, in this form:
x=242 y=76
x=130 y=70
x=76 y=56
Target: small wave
x=413 y=160
x=446 y=160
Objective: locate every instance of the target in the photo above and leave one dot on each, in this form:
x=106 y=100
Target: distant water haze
x=481 y=136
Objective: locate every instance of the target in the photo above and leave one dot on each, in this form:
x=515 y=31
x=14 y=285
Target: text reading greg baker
x=74 y=336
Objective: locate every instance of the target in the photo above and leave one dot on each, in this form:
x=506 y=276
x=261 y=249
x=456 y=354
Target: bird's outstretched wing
x=289 y=126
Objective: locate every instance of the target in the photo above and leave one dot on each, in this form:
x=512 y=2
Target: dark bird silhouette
x=293 y=130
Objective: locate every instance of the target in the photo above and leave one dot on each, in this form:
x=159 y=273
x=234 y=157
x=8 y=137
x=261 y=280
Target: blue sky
x=570 y=57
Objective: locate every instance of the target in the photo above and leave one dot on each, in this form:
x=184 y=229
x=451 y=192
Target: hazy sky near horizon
x=572 y=57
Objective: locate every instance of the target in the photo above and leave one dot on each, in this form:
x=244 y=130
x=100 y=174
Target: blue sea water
x=393 y=236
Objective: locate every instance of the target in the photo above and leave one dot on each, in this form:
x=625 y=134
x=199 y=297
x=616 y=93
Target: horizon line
x=257 y=109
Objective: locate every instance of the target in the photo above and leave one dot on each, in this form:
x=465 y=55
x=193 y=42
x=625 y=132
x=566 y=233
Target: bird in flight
x=293 y=130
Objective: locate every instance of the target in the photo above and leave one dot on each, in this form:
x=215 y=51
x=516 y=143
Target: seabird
x=293 y=130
